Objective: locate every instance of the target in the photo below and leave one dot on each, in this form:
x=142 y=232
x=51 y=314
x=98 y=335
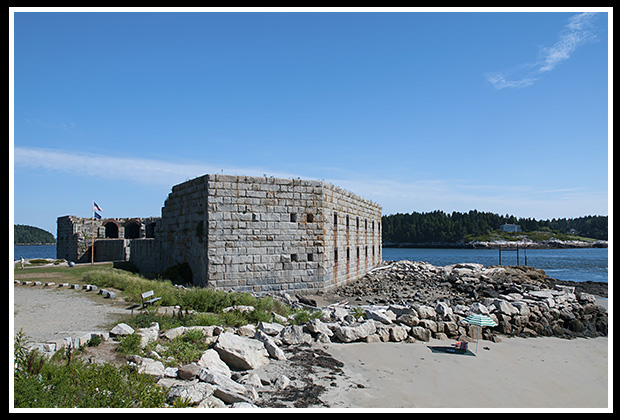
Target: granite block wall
x=263 y=234
x=254 y=234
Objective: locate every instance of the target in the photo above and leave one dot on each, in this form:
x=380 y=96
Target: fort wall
x=254 y=234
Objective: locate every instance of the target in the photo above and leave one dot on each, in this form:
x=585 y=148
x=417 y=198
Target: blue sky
x=497 y=111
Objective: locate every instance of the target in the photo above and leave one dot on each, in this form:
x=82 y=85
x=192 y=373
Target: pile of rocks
x=228 y=373
x=523 y=299
x=423 y=283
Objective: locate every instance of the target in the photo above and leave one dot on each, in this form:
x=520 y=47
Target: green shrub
x=302 y=316
x=44 y=383
x=198 y=299
x=130 y=344
x=185 y=348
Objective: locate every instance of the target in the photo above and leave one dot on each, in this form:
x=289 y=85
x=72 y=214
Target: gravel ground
x=52 y=313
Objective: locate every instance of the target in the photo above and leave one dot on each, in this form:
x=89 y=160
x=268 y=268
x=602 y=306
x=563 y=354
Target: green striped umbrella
x=481 y=321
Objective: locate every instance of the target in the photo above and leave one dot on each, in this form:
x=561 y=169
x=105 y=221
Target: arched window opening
x=150 y=230
x=132 y=230
x=111 y=230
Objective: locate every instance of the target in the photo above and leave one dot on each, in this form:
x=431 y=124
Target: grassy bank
x=208 y=302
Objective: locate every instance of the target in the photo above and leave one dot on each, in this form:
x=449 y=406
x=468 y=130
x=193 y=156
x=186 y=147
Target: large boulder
x=349 y=334
x=226 y=389
x=241 y=353
x=294 y=334
x=377 y=316
x=210 y=359
x=121 y=329
x=420 y=333
x=271 y=346
x=193 y=393
x=148 y=335
x=149 y=366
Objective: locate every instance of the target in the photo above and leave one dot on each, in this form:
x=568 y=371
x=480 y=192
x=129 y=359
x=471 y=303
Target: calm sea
x=580 y=264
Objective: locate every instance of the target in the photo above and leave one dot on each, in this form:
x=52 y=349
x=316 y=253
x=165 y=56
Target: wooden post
x=92 y=235
x=517 y=254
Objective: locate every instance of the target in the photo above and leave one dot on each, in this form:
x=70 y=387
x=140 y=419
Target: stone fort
x=254 y=234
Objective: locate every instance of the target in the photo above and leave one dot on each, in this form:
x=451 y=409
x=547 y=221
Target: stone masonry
x=261 y=234
x=112 y=237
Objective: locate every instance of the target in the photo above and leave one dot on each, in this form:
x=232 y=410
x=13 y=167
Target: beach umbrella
x=481 y=321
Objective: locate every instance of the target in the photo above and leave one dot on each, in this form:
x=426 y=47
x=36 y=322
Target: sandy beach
x=516 y=373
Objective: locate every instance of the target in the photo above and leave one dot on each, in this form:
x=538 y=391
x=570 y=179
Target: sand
x=516 y=373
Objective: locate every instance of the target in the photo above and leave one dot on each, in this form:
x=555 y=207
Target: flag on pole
x=96 y=207
x=96 y=215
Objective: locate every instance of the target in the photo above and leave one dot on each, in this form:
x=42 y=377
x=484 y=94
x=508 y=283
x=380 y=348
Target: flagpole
x=92 y=235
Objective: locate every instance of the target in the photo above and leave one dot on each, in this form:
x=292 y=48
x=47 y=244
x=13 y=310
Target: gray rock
x=193 y=393
x=294 y=334
x=148 y=335
x=425 y=312
x=121 y=329
x=270 y=328
x=377 y=316
x=349 y=334
x=420 y=333
x=505 y=307
x=241 y=352
x=398 y=333
x=226 y=389
x=316 y=326
x=172 y=333
x=270 y=345
x=151 y=367
x=442 y=308
x=211 y=360
x=189 y=371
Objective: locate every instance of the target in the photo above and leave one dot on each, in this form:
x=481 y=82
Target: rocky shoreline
x=529 y=244
x=282 y=364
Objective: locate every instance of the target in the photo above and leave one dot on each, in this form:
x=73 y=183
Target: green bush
x=130 y=344
x=39 y=382
x=198 y=299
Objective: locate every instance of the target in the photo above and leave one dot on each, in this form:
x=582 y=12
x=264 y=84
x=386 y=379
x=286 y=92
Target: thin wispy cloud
x=577 y=32
x=394 y=195
x=142 y=171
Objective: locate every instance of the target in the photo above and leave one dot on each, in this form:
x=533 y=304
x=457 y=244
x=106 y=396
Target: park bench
x=147 y=295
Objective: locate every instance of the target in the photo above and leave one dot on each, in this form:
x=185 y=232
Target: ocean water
x=580 y=264
x=34 y=251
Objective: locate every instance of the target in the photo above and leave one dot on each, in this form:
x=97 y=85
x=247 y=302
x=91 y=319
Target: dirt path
x=52 y=313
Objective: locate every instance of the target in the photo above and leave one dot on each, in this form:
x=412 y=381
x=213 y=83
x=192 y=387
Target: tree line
x=441 y=227
x=24 y=234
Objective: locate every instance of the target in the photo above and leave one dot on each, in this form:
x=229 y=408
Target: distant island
x=31 y=235
x=484 y=229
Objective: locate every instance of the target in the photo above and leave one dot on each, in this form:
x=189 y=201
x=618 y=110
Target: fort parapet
x=258 y=234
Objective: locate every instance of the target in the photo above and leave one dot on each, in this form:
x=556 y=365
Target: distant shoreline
x=35 y=243
x=551 y=244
